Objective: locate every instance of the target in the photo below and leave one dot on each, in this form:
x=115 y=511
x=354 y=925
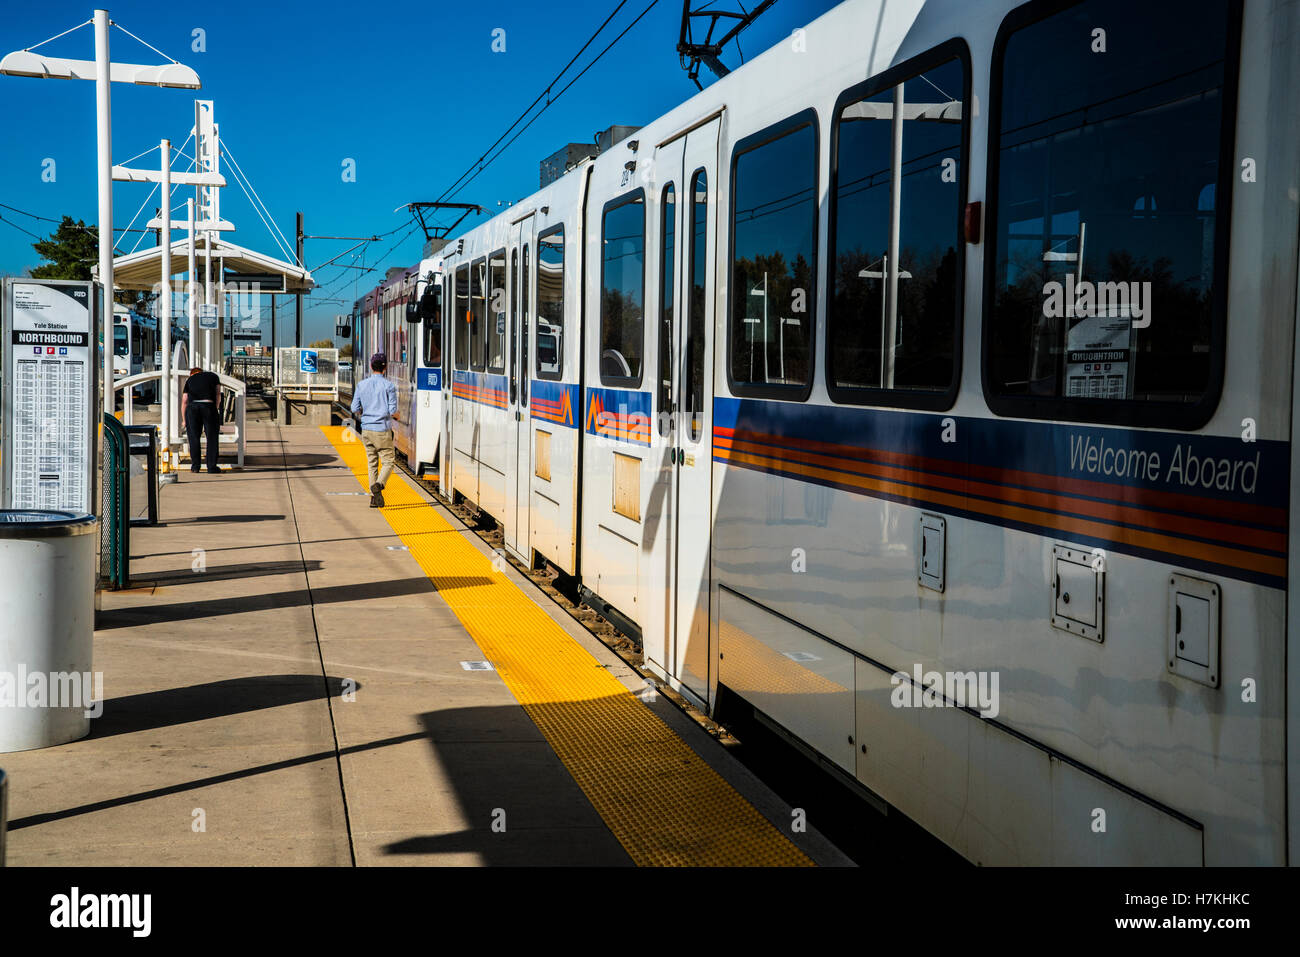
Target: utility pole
x=297 y=336
x=272 y=323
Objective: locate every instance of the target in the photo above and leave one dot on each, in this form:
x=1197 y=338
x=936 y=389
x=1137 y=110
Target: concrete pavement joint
x=329 y=703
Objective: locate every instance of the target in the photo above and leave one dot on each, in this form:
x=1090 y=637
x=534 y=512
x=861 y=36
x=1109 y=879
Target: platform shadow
x=230 y=572
x=151 y=710
x=523 y=805
x=222 y=519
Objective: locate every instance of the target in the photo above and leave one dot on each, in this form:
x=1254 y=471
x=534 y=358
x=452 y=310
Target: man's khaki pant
x=379 y=451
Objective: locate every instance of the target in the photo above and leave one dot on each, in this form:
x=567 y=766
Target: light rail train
x=927 y=385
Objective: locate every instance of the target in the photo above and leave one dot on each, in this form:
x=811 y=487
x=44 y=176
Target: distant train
x=927 y=386
x=136 y=344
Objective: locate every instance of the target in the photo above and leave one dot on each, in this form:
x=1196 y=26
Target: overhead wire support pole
x=297 y=335
x=104 y=141
x=165 y=303
x=191 y=307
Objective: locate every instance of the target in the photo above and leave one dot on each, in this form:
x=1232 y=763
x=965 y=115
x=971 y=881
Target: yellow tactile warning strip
x=663 y=803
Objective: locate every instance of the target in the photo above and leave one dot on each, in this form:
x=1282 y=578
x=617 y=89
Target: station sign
x=50 y=395
x=208 y=316
x=255 y=282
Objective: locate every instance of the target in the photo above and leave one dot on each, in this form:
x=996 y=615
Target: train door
x=660 y=620
x=694 y=421
x=448 y=332
x=518 y=438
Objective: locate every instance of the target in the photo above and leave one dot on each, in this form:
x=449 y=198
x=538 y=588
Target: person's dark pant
x=201 y=417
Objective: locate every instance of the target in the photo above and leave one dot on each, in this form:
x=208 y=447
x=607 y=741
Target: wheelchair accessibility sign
x=307 y=361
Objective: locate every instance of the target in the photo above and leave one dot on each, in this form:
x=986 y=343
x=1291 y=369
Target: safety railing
x=143 y=474
x=115 y=521
x=307 y=373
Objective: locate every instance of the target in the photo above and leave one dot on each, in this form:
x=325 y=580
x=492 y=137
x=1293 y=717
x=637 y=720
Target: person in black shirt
x=199 y=410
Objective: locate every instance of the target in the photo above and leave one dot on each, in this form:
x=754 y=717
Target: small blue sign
x=429 y=379
x=307 y=361
x=63 y=350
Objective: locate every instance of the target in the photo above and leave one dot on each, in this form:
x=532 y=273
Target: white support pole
x=165 y=302
x=190 y=305
x=104 y=137
x=207 y=299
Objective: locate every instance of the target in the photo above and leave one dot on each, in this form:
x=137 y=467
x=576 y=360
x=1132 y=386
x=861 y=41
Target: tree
x=70 y=252
x=321 y=344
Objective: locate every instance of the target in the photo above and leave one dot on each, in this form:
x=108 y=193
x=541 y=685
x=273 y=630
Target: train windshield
x=121 y=341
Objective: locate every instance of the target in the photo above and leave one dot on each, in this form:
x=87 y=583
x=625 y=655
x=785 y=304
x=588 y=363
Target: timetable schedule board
x=50 y=382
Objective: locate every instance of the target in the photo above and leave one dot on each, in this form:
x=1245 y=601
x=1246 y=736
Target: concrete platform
x=285 y=686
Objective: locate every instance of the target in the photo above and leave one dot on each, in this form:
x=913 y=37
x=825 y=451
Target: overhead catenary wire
x=242 y=178
x=545 y=91
x=84 y=228
x=563 y=89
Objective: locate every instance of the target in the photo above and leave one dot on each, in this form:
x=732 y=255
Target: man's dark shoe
x=195 y=468
x=376 y=496
x=214 y=471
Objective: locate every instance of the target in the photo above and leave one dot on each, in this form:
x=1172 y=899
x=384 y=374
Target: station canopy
x=143 y=269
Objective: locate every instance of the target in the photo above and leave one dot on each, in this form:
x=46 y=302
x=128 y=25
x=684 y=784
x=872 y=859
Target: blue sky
x=411 y=91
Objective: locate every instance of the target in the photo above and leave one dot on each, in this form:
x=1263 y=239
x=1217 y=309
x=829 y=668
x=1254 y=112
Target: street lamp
x=103 y=71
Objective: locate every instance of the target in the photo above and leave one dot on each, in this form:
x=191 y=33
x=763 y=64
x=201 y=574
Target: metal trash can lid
x=42 y=523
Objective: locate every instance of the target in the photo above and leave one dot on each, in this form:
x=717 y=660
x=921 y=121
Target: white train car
x=512 y=365
x=402 y=318
x=931 y=379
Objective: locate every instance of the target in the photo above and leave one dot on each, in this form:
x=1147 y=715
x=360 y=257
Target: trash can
x=47 y=627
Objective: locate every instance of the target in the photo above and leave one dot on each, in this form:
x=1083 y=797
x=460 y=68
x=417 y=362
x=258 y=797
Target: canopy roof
x=142 y=269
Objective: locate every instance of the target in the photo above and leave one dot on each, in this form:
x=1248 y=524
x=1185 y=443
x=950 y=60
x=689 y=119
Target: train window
x=666 y=254
x=433 y=323
x=696 y=321
x=523 y=334
x=478 y=293
x=514 y=312
x=550 y=303
x=462 y=318
x=496 y=326
x=895 y=304
x=1105 y=287
x=448 y=327
x=622 y=291
x=773 y=274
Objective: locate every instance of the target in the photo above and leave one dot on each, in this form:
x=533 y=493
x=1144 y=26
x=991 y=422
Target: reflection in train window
x=550 y=303
x=666 y=358
x=478 y=284
x=523 y=333
x=696 y=322
x=773 y=280
x=1104 y=263
x=495 y=333
x=432 y=312
x=461 y=319
x=622 y=291
x=514 y=332
x=895 y=306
